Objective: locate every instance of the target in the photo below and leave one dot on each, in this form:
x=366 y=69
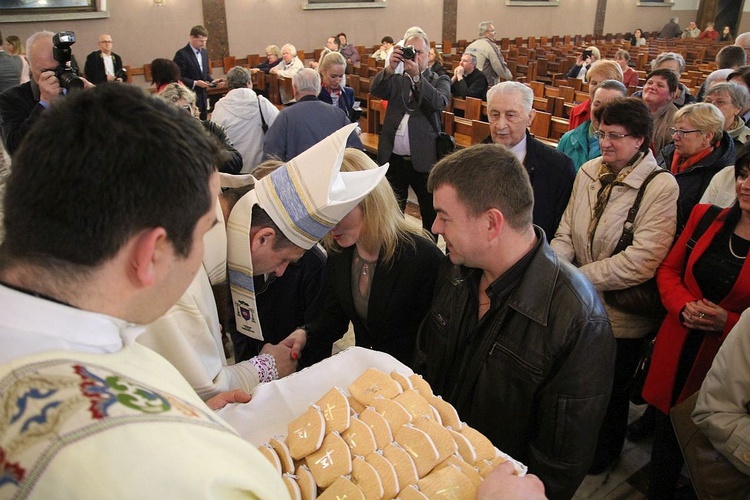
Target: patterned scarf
x=608 y=180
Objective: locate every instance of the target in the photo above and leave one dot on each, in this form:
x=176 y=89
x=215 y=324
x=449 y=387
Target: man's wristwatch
x=416 y=78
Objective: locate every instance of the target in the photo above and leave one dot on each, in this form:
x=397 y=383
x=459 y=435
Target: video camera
x=64 y=72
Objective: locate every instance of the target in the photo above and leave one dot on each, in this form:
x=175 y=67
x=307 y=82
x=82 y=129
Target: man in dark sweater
x=467 y=81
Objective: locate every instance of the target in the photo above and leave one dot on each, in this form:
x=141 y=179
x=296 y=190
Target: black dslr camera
x=64 y=72
x=409 y=52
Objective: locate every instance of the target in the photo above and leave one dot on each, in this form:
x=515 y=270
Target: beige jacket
x=663 y=121
x=655 y=226
x=723 y=407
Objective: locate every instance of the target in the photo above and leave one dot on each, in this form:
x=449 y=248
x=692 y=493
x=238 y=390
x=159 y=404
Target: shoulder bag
x=445 y=144
x=263 y=123
x=712 y=475
x=642 y=299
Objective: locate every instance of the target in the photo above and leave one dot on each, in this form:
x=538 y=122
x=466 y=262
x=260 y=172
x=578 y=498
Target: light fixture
x=158 y=2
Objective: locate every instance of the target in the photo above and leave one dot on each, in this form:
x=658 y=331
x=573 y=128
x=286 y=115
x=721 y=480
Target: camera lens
x=68 y=78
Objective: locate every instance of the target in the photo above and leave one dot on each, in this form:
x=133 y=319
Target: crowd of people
x=245 y=239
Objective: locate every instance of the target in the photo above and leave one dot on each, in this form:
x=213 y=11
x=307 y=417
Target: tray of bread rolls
x=362 y=425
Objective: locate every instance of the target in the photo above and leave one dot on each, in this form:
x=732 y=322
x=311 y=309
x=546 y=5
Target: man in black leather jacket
x=518 y=341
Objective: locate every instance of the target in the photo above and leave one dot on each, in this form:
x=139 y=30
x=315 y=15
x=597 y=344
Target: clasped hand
x=704 y=315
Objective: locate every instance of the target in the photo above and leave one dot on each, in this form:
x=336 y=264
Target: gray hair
x=306 y=80
x=416 y=32
x=484 y=26
x=669 y=56
x=612 y=85
x=510 y=87
x=239 y=78
x=473 y=57
x=743 y=40
x=291 y=48
x=675 y=20
x=738 y=93
x=720 y=75
x=32 y=41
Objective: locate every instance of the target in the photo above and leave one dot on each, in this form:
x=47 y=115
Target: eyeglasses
x=682 y=133
x=187 y=107
x=610 y=136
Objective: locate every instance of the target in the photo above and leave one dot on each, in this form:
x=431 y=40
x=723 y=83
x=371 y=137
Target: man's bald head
x=39 y=51
x=105 y=44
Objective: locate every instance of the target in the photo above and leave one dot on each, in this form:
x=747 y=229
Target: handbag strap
x=434 y=77
x=628 y=228
x=708 y=217
x=263 y=123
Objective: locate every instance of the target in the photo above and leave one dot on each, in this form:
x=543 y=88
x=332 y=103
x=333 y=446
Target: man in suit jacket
x=195 y=68
x=103 y=65
x=407 y=141
x=509 y=107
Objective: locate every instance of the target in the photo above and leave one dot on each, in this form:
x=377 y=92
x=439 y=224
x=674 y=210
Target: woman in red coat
x=704 y=298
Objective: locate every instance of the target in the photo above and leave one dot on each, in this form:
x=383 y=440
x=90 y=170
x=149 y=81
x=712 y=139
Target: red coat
x=579 y=114
x=630 y=78
x=712 y=35
x=677 y=291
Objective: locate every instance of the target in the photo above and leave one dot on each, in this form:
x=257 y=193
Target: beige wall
x=630 y=17
x=253 y=24
x=140 y=30
x=570 y=17
x=143 y=31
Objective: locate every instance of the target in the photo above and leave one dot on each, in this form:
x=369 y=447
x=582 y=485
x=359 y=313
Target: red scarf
x=680 y=164
x=333 y=91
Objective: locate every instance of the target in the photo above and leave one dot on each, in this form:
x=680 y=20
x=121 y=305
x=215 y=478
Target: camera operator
x=22 y=105
x=416 y=98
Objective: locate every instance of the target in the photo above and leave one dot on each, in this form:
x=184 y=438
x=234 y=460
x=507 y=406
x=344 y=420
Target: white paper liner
x=277 y=403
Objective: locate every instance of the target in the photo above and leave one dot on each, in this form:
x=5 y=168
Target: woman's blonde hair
x=174 y=92
x=275 y=50
x=384 y=225
x=331 y=59
x=17 y=44
x=703 y=116
x=607 y=68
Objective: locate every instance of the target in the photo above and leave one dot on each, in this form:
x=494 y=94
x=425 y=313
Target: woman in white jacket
x=604 y=191
x=723 y=408
x=242 y=112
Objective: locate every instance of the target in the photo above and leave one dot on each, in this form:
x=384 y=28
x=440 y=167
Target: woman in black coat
x=381 y=275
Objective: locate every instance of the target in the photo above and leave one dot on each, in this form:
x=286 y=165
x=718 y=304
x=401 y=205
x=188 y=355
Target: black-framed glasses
x=682 y=133
x=610 y=136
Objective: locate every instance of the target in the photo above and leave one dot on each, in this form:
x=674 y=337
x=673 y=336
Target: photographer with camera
x=52 y=75
x=416 y=97
x=588 y=56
